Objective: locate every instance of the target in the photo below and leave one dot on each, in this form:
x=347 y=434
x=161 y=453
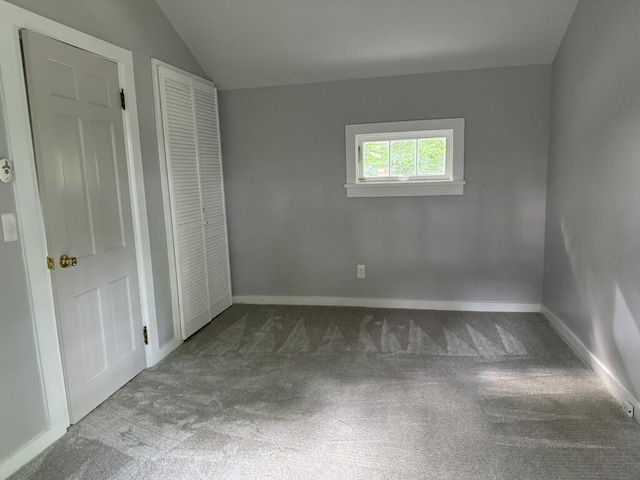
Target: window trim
x=452 y=183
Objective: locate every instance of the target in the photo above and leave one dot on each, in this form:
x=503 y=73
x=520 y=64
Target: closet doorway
x=193 y=186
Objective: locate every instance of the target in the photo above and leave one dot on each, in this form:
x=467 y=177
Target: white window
x=398 y=159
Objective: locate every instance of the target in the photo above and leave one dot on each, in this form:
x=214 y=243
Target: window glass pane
x=375 y=157
x=431 y=155
x=403 y=158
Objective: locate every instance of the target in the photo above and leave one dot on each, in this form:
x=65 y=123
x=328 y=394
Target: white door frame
x=29 y=211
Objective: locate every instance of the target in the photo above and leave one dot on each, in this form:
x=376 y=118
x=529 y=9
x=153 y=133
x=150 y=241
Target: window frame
x=451 y=183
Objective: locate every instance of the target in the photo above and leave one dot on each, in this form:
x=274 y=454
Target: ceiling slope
x=253 y=43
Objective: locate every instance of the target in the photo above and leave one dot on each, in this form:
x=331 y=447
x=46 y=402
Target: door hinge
x=123 y=102
x=51 y=263
x=145 y=335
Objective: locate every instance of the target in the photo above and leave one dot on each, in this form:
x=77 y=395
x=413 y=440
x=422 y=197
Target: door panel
x=186 y=203
x=82 y=171
x=192 y=273
x=69 y=137
x=62 y=80
x=91 y=358
x=209 y=154
x=112 y=234
x=212 y=185
x=122 y=319
x=217 y=263
x=98 y=90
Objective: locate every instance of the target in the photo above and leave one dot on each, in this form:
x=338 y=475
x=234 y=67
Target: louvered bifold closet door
x=192 y=152
x=215 y=230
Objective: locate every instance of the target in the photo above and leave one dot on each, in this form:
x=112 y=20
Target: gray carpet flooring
x=275 y=392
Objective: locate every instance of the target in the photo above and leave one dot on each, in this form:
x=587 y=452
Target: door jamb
x=29 y=211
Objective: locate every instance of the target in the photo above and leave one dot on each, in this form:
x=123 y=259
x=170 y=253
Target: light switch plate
x=9 y=227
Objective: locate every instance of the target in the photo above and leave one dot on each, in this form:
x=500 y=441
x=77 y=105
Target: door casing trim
x=29 y=211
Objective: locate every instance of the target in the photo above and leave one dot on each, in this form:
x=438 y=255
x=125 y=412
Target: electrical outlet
x=360 y=271
x=628 y=408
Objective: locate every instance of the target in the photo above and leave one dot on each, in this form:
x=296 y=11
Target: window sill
x=405 y=189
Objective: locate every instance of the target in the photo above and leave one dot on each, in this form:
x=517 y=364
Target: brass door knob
x=66 y=261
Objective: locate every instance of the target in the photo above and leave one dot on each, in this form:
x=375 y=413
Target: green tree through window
x=376 y=159
x=404 y=158
x=431 y=155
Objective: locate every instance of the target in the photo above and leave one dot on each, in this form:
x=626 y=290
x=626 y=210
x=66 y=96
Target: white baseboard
x=29 y=451
x=389 y=303
x=615 y=386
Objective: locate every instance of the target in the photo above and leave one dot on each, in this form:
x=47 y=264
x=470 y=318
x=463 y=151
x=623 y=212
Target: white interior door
x=189 y=114
x=74 y=101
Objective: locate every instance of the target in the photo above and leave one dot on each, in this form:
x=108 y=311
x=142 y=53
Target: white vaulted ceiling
x=251 y=43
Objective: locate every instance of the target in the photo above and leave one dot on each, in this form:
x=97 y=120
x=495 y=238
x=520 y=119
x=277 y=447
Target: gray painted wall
x=23 y=411
x=141 y=27
x=294 y=232
x=592 y=265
